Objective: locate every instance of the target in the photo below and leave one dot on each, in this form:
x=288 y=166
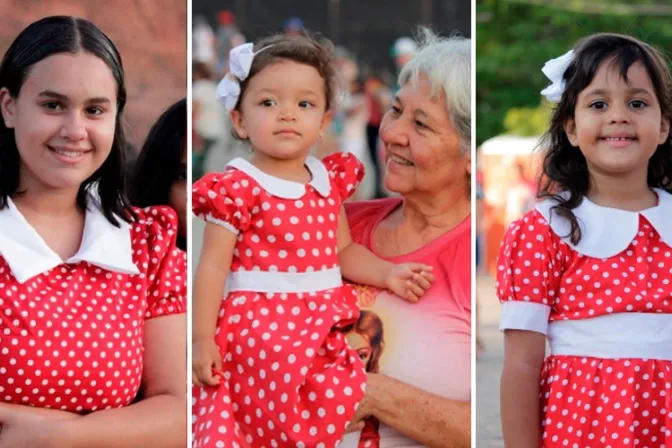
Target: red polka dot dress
x=290 y=378
x=605 y=306
x=71 y=333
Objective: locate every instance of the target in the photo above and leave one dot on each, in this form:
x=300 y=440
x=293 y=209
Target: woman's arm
x=360 y=265
x=423 y=417
x=521 y=418
x=160 y=418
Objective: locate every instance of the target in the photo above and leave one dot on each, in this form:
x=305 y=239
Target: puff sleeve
x=529 y=269
x=165 y=264
x=346 y=172
x=224 y=199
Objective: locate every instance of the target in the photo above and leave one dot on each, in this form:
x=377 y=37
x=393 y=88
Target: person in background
x=203 y=42
x=228 y=36
x=159 y=175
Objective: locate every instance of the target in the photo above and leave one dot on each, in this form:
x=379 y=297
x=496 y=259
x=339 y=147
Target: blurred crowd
x=366 y=95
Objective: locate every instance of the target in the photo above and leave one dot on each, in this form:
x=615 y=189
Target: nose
x=287 y=113
x=74 y=127
x=618 y=114
x=393 y=131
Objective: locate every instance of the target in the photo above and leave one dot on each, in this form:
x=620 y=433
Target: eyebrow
x=632 y=90
x=415 y=111
x=60 y=96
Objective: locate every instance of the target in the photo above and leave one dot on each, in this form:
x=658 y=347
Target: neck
x=293 y=169
x=442 y=211
x=47 y=202
x=630 y=192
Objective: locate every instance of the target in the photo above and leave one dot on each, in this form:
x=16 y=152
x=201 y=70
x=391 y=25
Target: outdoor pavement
x=488 y=366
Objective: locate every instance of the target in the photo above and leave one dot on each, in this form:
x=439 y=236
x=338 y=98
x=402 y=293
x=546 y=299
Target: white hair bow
x=554 y=70
x=240 y=62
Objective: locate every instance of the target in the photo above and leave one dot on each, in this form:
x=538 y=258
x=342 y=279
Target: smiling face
x=64 y=120
x=283 y=110
x=422 y=147
x=618 y=125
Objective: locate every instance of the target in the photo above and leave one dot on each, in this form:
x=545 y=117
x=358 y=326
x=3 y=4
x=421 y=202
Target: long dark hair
x=159 y=163
x=564 y=166
x=44 y=38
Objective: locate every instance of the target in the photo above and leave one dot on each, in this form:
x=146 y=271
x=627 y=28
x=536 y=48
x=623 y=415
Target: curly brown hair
x=564 y=167
x=306 y=49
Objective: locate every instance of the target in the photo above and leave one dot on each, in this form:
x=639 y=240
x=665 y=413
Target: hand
x=23 y=426
x=205 y=359
x=409 y=280
x=365 y=408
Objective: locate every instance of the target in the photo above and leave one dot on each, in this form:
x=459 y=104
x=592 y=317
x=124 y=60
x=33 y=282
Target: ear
x=326 y=119
x=238 y=124
x=7 y=107
x=468 y=159
x=570 y=130
x=664 y=130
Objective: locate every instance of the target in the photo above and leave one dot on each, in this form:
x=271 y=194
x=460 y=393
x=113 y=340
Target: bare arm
x=157 y=420
x=523 y=357
x=210 y=279
x=360 y=265
x=423 y=417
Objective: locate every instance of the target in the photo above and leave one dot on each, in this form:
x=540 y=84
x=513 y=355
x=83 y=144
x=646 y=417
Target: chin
x=396 y=185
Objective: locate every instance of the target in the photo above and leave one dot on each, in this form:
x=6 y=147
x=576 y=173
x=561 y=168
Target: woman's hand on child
x=205 y=358
x=409 y=280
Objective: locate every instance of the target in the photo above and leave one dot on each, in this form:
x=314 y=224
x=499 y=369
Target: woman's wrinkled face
x=422 y=148
x=177 y=198
x=64 y=119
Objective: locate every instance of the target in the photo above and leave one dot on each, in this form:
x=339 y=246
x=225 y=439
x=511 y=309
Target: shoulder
x=155 y=222
x=365 y=212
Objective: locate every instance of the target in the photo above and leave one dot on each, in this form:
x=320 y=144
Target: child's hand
x=205 y=358
x=409 y=280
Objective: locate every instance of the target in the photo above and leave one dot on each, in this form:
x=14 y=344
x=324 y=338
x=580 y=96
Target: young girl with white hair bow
x=590 y=268
x=271 y=364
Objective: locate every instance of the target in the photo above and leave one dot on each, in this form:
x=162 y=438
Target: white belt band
x=622 y=335
x=264 y=281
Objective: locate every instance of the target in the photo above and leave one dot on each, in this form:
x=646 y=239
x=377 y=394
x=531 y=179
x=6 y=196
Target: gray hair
x=447 y=64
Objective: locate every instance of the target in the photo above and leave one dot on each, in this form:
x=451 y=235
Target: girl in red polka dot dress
x=271 y=364
x=92 y=290
x=590 y=268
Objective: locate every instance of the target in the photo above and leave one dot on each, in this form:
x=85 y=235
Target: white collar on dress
x=103 y=244
x=287 y=189
x=606 y=231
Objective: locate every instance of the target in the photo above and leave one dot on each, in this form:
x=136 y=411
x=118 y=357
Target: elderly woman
x=421 y=395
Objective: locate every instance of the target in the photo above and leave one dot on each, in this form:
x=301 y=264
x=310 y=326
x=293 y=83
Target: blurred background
x=373 y=40
x=514 y=40
x=152 y=43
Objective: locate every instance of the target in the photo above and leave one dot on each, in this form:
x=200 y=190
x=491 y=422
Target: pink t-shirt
x=427 y=344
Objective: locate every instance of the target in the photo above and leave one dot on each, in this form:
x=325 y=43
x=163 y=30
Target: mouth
x=394 y=158
x=619 y=140
x=68 y=155
x=287 y=132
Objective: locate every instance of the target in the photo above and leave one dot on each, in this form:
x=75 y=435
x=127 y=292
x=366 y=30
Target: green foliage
x=527 y=121
x=514 y=38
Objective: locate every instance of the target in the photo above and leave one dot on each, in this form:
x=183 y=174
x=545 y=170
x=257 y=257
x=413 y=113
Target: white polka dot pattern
x=291 y=379
x=586 y=401
x=72 y=338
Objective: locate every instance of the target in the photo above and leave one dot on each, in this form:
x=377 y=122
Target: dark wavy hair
x=160 y=161
x=44 y=38
x=564 y=166
x=313 y=50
